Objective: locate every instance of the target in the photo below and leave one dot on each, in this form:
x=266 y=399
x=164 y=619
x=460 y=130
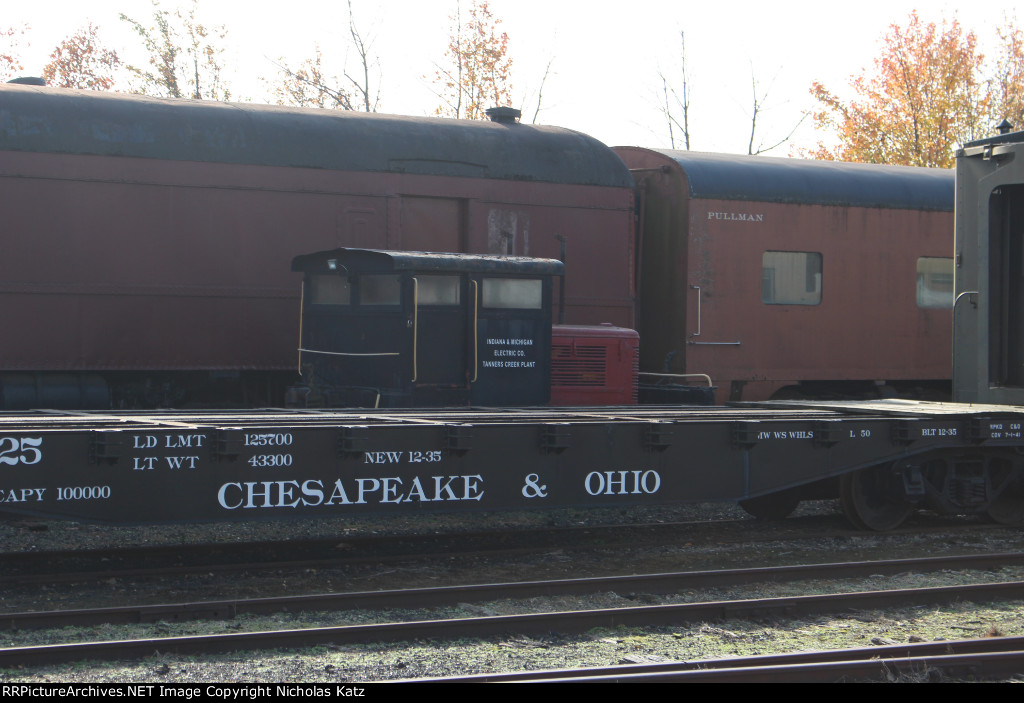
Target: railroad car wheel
x=1008 y=508
x=871 y=501
x=774 y=506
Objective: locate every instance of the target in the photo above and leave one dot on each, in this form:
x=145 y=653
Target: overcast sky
x=605 y=56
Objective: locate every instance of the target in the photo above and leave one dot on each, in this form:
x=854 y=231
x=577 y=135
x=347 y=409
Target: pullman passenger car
x=786 y=278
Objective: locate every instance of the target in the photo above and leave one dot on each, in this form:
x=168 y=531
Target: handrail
x=415 y=324
x=476 y=339
x=677 y=375
x=302 y=316
x=318 y=351
x=697 y=333
x=962 y=294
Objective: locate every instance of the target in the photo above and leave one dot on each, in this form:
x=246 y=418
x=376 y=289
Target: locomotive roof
x=768 y=179
x=39 y=119
x=1006 y=138
x=382 y=261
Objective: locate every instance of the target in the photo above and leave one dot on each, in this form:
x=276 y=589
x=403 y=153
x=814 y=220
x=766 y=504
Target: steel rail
x=786 y=667
x=960 y=667
x=532 y=624
x=452 y=595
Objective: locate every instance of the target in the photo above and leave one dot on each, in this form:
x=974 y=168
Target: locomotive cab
x=420 y=329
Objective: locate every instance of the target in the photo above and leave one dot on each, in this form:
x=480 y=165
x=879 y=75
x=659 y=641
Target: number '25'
x=27 y=446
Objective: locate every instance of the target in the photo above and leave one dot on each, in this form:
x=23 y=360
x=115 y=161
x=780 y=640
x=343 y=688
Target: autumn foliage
x=184 y=55
x=931 y=90
x=307 y=86
x=80 y=61
x=10 y=64
x=477 y=71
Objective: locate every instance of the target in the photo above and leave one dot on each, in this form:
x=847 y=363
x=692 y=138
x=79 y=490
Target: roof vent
x=28 y=80
x=504 y=115
x=1005 y=127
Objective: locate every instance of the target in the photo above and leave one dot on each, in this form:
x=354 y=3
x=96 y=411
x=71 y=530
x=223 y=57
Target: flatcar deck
x=170 y=466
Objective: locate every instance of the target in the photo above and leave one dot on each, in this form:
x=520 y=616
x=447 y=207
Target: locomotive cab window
x=521 y=294
x=329 y=290
x=438 y=290
x=791 y=278
x=935 y=282
x=380 y=290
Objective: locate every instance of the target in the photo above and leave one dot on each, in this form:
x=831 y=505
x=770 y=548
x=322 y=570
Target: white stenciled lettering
x=736 y=216
x=338 y=495
x=509 y=353
x=416 y=493
x=411 y=457
x=366 y=485
x=508 y=364
x=184 y=441
x=181 y=462
x=786 y=434
x=533 y=488
x=270 y=460
x=622 y=482
x=383 y=457
x=23 y=450
x=281 y=439
x=82 y=493
x=366 y=490
x=21 y=495
x=389 y=490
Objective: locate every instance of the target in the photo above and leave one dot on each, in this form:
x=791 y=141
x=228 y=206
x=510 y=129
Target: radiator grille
x=587 y=367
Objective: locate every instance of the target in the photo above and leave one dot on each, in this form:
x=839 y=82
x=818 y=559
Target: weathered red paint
x=117 y=263
x=867 y=326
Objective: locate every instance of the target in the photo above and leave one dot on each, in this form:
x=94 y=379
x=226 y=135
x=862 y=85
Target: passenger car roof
x=40 y=119
x=772 y=179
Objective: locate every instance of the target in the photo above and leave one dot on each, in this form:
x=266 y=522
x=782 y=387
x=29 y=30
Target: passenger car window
x=791 y=278
x=935 y=282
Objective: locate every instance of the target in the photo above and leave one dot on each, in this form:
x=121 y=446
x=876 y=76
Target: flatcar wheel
x=1008 y=508
x=870 y=500
x=774 y=506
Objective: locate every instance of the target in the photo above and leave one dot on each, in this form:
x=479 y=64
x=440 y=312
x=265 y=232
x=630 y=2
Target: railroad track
x=989 y=658
x=452 y=595
x=69 y=566
x=538 y=623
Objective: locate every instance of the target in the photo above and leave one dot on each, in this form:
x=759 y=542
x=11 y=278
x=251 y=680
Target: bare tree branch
x=682 y=102
x=758 y=107
x=309 y=76
x=540 y=92
x=362 y=47
x=307 y=86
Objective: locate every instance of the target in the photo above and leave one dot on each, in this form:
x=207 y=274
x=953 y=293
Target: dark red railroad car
x=789 y=278
x=146 y=242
